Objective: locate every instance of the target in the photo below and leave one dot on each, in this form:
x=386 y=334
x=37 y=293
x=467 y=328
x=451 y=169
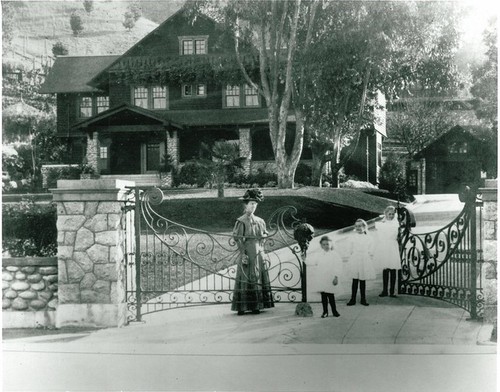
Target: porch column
x=246 y=148
x=91 y=252
x=173 y=146
x=93 y=150
x=489 y=246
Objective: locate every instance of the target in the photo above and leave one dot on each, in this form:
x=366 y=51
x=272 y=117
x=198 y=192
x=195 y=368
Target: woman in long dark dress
x=252 y=290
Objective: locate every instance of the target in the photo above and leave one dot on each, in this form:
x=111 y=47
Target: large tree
x=365 y=47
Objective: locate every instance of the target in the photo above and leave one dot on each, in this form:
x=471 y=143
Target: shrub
x=128 y=21
x=76 y=23
x=62 y=173
x=193 y=173
x=392 y=176
x=136 y=10
x=303 y=174
x=29 y=229
x=261 y=178
x=58 y=49
x=88 y=5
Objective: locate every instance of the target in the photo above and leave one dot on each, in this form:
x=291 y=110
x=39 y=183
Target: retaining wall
x=29 y=292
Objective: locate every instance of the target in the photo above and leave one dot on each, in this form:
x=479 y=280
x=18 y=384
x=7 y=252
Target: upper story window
x=194 y=90
x=244 y=96
x=102 y=104
x=458 y=148
x=90 y=106
x=193 y=45
x=141 y=97
x=150 y=97
x=251 y=96
x=232 y=96
x=85 y=107
x=159 y=97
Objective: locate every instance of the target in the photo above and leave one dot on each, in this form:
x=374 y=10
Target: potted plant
x=87 y=171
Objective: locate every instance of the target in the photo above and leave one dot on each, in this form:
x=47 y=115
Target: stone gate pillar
x=91 y=267
x=489 y=246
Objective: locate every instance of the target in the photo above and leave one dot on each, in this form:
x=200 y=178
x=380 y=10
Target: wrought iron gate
x=446 y=263
x=171 y=265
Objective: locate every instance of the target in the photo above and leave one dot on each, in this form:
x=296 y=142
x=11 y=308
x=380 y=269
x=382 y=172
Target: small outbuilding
x=454 y=159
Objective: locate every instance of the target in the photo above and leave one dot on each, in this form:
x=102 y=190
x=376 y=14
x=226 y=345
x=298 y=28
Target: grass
x=220 y=214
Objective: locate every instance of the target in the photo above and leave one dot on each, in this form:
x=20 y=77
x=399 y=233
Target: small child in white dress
x=360 y=261
x=323 y=274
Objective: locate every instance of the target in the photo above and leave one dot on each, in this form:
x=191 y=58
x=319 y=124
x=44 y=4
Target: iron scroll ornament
x=170 y=248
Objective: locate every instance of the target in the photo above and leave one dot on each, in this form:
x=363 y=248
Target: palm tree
x=225 y=158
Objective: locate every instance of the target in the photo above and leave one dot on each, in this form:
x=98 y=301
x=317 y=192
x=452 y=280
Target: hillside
x=39 y=24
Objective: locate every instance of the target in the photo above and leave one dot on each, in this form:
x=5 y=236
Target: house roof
x=96 y=80
x=70 y=74
x=468 y=131
x=127 y=114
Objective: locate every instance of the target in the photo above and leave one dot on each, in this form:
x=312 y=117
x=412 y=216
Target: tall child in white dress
x=323 y=274
x=388 y=257
x=360 y=264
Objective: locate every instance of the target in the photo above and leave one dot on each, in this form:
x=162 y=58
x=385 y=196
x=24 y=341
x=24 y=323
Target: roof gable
x=71 y=74
x=454 y=134
x=164 y=40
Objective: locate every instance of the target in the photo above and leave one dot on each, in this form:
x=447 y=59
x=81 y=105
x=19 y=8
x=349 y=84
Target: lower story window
x=103 y=152
x=232 y=96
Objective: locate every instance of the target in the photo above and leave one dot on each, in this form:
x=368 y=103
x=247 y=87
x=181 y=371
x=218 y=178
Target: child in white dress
x=360 y=263
x=323 y=274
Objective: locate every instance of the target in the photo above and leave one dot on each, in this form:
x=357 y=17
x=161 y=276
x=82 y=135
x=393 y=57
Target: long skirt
x=252 y=289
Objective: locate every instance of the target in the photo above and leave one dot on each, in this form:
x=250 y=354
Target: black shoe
x=351 y=302
x=383 y=294
x=393 y=296
x=256 y=311
x=241 y=312
x=336 y=314
x=364 y=303
x=324 y=315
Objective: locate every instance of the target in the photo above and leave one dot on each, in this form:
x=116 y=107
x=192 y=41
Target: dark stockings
x=325 y=298
x=354 y=292
x=386 y=275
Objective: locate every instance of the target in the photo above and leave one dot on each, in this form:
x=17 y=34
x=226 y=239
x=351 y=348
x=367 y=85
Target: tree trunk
x=317 y=168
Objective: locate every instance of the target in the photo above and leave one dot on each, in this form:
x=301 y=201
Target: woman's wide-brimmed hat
x=253 y=195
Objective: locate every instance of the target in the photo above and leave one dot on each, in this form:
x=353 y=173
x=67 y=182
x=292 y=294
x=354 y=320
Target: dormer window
x=193 y=45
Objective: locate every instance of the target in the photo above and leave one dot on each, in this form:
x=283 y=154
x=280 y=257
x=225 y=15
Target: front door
x=125 y=156
x=151 y=156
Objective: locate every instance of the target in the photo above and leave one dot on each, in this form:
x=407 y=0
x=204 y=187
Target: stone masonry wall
x=88 y=250
x=29 y=291
x=490 y=252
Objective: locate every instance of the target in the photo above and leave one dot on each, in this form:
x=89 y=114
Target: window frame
x=192 y=39
x=194 y=90
x=150 y=96
x=242 y=97
x=106 y=98
x=79 y=106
